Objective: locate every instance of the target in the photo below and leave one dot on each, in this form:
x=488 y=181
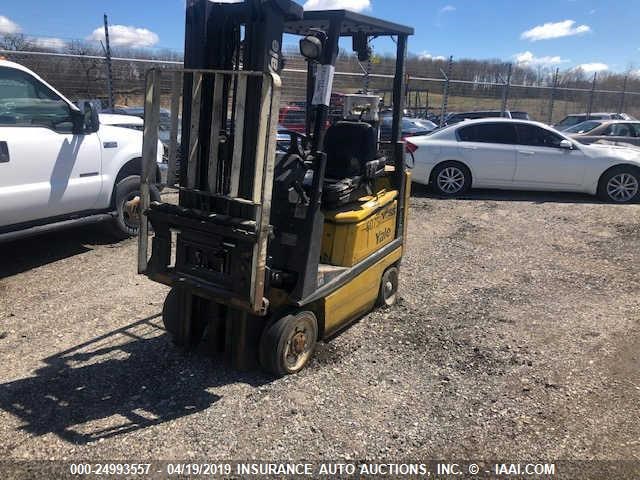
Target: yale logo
x=383 y=235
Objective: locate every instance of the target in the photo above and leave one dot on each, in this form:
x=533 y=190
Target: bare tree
x=16 y=42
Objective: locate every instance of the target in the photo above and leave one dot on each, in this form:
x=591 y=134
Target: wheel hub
x=388 y=288
x=132 y=210
x=298 y=343
x=451 y=180
x=622 y=187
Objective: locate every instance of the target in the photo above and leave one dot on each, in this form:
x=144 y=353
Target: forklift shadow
x=128 y=379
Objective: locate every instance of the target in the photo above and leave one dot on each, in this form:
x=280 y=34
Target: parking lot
x=517 y=336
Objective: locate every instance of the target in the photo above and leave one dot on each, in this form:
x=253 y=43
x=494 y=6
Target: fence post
x=108 y=55
x=407 y=91
x=367 y=76
x=623 y=93
x=445 y=93
x=593 y=90
x=505 y=91
x=553 y=96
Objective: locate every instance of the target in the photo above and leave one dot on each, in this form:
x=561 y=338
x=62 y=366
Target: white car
x=58 y=165
x=125 y=121
x=522 y=155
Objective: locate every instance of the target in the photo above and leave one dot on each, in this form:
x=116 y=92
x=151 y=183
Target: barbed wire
x=81 y=76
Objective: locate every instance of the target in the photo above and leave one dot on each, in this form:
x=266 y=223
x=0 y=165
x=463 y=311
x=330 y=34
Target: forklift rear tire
x=287 y=345
x=388 y=294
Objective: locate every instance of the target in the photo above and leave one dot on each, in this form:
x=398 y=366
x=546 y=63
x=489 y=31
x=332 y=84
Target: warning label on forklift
x=324 y=84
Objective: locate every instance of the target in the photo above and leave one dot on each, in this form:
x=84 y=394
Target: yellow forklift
x=268 y=252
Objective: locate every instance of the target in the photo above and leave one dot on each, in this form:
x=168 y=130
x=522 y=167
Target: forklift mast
x=232 y=36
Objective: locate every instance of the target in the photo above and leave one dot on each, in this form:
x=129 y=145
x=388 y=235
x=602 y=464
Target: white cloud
x=554 y=30
x=49 y=43
x=7 y=27
x=593 y=67
x=354 y=5
x=529 y=59
x=427 y=56
x=448 y=8
x=126 y=36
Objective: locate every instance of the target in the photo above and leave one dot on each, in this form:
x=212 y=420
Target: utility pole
x=553 y=95
x=623 y=93
x=445 y=93
x=108 y=57
x=593 y=91
x=505 y=92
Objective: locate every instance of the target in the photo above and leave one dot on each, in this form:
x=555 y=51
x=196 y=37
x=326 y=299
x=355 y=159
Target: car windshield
x=570 y=121
x=584 y=127
x=426 y=124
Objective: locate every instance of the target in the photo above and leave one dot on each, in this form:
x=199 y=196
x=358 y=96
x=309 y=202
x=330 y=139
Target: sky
x=594 y=34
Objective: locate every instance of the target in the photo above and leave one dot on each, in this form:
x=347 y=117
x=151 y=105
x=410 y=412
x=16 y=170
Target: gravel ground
x=516 y=336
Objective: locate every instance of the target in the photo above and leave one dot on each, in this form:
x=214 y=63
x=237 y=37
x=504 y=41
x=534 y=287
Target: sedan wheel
x=451 y=179
x=622 y=187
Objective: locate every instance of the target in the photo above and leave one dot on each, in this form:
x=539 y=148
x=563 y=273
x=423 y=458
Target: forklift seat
x=349 y=146
x=352 y=159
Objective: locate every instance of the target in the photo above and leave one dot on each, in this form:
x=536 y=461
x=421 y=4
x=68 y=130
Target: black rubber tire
x=277 y=337
x=171 y=314
x=388 y=292
x=172 y=321
x=466 y=184
x=608 y=175
x=127 y=189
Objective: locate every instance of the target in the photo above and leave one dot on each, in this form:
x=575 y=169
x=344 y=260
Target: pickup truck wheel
x=127 y=198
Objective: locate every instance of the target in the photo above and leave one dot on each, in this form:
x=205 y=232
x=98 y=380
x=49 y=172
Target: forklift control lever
x=302 y=194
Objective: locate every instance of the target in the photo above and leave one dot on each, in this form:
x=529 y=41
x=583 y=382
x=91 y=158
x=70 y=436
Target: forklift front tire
x=388 y=294
x=171 y=315
x=287 y=345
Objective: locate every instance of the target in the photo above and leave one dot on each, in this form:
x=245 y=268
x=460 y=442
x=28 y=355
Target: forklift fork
x=221 y=241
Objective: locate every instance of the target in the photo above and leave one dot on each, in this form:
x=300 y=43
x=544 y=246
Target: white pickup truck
x=58 y=166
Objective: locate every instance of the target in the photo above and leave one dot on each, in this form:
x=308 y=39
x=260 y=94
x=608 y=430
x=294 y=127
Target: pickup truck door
x=46 y=170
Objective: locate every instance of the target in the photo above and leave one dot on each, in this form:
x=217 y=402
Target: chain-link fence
x=81 y=76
